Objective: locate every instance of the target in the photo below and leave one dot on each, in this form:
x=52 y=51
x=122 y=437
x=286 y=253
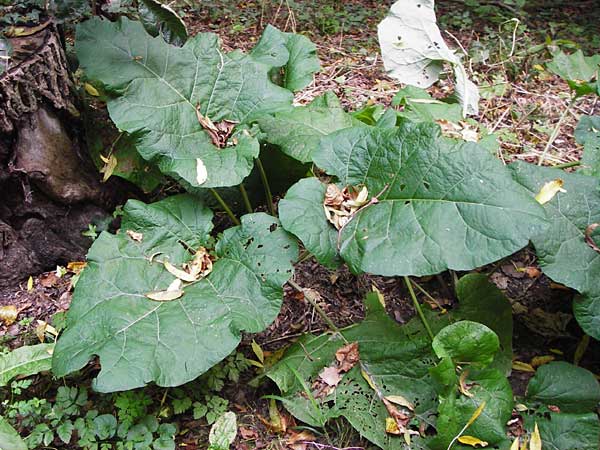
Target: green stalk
x=246 y=199
x=418 y=306
x=567 y=165
x=225 y=207
x=265 y=182
x=556 y=130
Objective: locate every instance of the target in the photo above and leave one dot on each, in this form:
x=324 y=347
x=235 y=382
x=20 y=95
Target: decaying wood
x=37 y=72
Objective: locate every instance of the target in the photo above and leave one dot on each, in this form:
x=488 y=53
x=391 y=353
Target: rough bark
x=49 y=189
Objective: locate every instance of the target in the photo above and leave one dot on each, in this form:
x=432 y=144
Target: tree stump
x=49 y=188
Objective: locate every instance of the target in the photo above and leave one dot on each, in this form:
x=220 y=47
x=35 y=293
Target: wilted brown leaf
x=49 y=279
x=347 y=356
x=341 y=205
x=299 y=441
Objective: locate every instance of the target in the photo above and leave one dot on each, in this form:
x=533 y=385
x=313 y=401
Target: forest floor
x=521 y=103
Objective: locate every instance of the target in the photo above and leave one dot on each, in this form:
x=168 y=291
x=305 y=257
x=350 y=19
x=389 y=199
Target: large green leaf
x=571 y=388
x=562 y=250
x=441 y=204
x=156 y=88
x=139 y=340
x=25 y=361
x=299 y=130
x=9 y=438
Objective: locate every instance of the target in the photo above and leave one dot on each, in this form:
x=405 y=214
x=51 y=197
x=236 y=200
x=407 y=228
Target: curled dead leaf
x=164 y=296
x=400 y=401
x=588 y=236
x=463 y=386
x=135 y=235
x=341 y=204
x=179 y=273
x=549 y=190
x=201 y=265
x=347 y=356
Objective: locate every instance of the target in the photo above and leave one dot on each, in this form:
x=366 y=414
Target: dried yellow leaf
x=476 y=414
x=391 y=427
x=538 y=361
x=110 y=164
x=536 y=440
x=522 y=366
x=515 y=444
x=400 y=401
x=472 y=441
x=181 y=274
x=30 y=284
x=91 y=90
x=8 y=314
x=549 y=190
x=164 y=296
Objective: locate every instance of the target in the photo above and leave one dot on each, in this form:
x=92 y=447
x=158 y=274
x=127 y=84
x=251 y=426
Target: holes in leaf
x=259 y=246
x=273 y=227
x=402 y=187
x=248 y=242
x=426 y=185
x=287 y=246
x=407 y=202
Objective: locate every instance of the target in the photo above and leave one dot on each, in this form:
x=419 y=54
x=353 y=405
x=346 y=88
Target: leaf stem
x=225 y=207
x=418 y=306
x=265 y=182
x=428 y=295
x=246 y=199
x=567 y=165
x=556 y=130
x=312 y=300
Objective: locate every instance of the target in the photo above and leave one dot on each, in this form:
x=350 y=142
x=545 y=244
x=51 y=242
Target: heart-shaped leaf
x=434 y=203
x=139 y=340
x=187 y=104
